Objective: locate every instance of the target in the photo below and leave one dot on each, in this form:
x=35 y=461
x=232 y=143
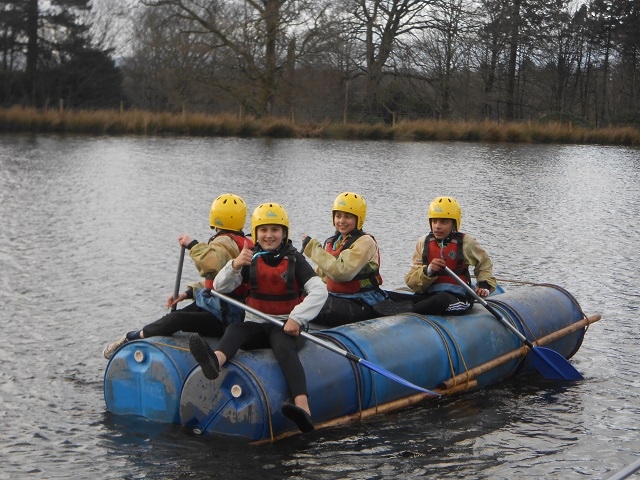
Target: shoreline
x=137 y=122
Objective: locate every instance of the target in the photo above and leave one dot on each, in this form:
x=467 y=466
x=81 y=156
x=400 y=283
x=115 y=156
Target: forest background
x=328 y=60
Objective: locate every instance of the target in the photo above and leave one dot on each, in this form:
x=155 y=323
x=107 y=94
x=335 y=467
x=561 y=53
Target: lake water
x=88 y=250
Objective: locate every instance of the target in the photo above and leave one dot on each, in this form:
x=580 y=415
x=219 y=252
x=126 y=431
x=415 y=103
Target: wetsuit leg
x=247 y=335
x=435 y=304
x=189 y=319
x=341 y=311
x=285 y=348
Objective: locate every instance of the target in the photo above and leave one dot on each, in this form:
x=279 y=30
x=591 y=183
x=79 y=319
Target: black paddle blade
x=552 y=365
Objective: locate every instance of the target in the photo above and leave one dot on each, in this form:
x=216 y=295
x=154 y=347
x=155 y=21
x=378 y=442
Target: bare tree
x=253 y=38
x=442 y=49
x=493 y=37
x=560 y=60
x=112 y=25
x=164 y=69
x=384 y=25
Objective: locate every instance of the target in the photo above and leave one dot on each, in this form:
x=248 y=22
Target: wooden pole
x=395 y=405
x=519 y=352
x=459 y=383
x=378 y=410
x=521 y=282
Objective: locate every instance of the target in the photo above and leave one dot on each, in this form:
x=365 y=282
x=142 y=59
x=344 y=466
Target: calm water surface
x=88 y=250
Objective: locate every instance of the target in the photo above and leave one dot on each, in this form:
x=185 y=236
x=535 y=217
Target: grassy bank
x=135 y=122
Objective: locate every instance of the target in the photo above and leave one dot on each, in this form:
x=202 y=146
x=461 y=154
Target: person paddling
x=206 y=315
x=437 y=293
x=280 y=283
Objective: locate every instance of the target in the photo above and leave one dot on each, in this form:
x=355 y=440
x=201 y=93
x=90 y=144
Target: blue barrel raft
x=245 y=400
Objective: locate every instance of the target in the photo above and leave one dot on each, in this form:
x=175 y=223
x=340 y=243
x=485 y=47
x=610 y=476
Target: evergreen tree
x=48 y=56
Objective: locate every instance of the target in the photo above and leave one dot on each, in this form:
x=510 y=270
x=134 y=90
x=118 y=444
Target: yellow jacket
x=362 y=253
x=473 y=253
x=210 y=258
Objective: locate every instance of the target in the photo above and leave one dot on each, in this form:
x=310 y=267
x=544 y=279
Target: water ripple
x=89 y=249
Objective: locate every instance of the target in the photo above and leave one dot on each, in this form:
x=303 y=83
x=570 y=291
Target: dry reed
x=137 y=122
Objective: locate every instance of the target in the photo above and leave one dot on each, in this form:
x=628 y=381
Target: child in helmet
x=349 y=263
x=206 y=315
x=437 y=293
x=280 y=282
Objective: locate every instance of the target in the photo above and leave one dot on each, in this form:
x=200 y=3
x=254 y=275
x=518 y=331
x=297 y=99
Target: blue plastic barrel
x=540 y=310
x=246 y=398
x=145 y=378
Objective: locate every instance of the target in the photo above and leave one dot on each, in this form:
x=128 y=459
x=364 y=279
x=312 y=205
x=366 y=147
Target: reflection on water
x=88 y=248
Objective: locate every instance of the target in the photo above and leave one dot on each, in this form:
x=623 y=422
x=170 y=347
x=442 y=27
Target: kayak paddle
x=327 y=345
x=176 y=289
x=549 y=363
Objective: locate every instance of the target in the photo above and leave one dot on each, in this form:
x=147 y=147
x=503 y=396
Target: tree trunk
x=32 y=49
x=374 y=71
x=490 y=79
x=513 y=61
x=604 y=115
x=272 y=25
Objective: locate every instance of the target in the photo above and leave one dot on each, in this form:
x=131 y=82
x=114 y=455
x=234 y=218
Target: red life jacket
x=239 y=238
x=452 y=255
x=274 y=290
x=243 y=289
x=358 y=283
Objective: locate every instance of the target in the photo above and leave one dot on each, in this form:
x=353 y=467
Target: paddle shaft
x=176 y=288
x=626 y=472
x=327 y=345
x=493 y=311
x=280 y=323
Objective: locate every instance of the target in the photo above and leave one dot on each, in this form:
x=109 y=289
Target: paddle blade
x=552 y=365
x=394 y=377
